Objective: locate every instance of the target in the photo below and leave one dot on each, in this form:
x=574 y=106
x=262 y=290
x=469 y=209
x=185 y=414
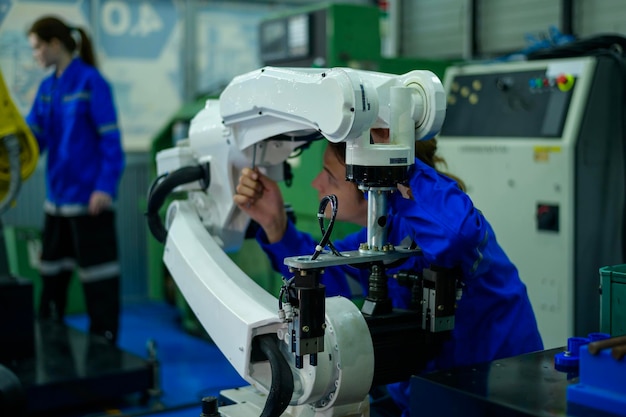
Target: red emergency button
x=565 y=82
x=547 y=217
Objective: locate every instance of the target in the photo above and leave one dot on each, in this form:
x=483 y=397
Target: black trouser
x=89 y=243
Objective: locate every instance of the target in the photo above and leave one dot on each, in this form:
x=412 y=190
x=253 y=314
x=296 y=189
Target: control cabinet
x=540 y=146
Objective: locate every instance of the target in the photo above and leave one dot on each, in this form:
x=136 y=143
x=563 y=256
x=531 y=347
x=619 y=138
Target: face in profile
x=45 y=53
x=352 y=206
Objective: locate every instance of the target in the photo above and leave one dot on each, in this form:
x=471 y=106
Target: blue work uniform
x=494 y=317
x=74 y=120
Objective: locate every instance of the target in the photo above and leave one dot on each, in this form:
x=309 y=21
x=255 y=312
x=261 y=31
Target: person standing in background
x=75 y=121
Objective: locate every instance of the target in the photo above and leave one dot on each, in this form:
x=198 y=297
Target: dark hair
x=50 y=27
x=425 y=150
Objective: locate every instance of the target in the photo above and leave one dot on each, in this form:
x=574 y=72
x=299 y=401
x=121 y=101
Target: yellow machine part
x=12 y=123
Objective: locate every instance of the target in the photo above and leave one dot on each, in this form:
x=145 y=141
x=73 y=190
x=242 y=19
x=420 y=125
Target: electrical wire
x=282 y=385
x=156 y=181
x=284 y=291
x=326 y=232
x=163 y=186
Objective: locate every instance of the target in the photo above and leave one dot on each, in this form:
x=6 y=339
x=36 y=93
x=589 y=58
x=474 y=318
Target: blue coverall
x=74 y=120
x=494 y=317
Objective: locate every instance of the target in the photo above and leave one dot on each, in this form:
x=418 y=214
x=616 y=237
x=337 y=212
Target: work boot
x=102 y=299
x=53 y=299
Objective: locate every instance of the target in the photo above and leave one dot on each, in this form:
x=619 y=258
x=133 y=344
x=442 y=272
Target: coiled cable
x=281 y=389
x=326 y=232
x=163 y=185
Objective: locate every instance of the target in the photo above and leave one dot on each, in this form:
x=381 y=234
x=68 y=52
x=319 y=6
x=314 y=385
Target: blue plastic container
x=602 y=383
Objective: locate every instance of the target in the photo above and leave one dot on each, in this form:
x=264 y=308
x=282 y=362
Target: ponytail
x=74 y=39
x=85 y=49
x=426 y=151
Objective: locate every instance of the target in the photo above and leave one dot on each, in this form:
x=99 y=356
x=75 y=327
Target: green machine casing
x=613 y=300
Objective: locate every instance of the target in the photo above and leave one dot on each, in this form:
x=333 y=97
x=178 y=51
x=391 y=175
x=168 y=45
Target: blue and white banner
x=140 y=48
x=135 y=29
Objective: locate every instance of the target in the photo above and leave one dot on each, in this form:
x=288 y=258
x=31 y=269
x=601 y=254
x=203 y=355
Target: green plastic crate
x=613 y=300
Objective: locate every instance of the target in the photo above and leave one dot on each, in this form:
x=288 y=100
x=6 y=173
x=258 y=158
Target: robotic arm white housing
x=260 y=119
x=340 y=104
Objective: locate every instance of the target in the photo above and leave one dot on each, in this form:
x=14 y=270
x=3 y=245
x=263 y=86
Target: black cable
x=156 y=181
x=281 y=389
x=332 y=199
x=160 y=189
x=334 y=208
x=581 y=47
x=284 y=291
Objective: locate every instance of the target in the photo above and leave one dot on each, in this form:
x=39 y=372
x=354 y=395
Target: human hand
x=99 y=201
x=260 y=197
x=405 y=191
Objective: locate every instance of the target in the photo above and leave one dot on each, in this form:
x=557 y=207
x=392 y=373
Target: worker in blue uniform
x=494 y=317
x=74 y=120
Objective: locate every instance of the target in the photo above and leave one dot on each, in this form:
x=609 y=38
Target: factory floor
x=190 y=367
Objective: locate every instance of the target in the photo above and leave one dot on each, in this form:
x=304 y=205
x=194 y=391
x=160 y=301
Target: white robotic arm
x=264 y=115
x=260 y=119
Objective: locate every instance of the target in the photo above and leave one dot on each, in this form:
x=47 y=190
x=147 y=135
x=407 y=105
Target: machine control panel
x=521 y=104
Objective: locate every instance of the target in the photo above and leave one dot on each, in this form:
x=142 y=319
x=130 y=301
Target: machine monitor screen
x=285 y=38
x=517 y=104
x=273 y=40
x=299 y=36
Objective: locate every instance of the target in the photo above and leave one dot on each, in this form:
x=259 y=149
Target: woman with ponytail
x=494 y=317
x=75 y=121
